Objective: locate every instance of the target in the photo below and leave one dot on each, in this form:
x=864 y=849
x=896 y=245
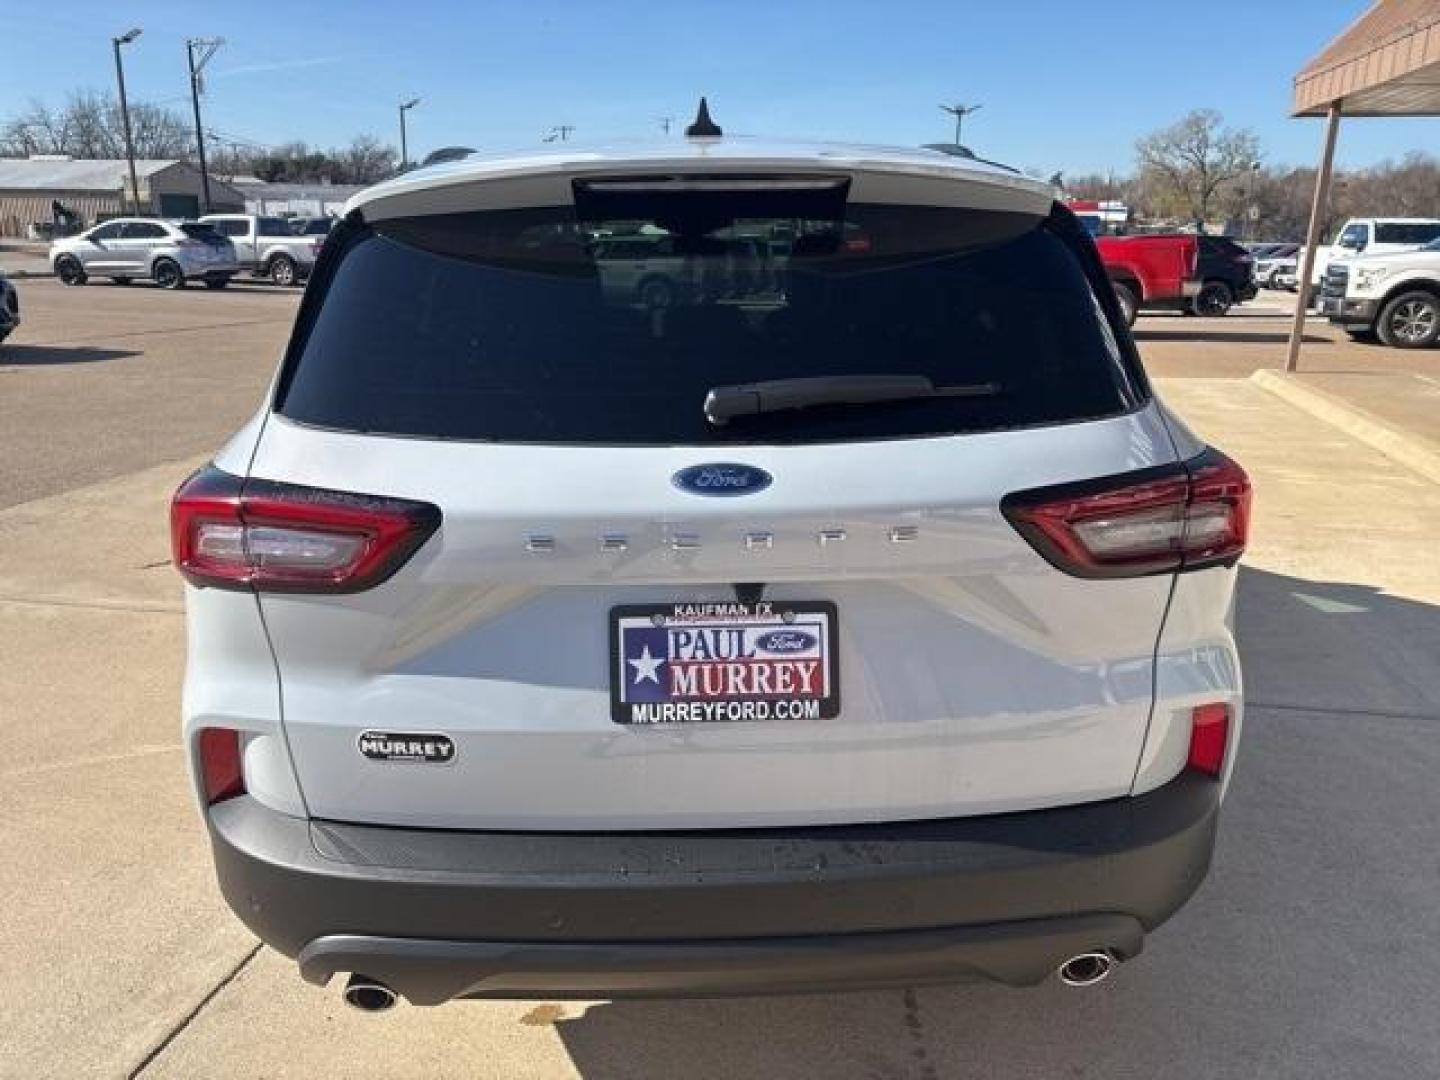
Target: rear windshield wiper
x=724 y=403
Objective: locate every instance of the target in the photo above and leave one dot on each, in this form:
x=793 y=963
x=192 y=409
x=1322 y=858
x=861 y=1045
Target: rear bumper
x=441 y=914
x=198 y=269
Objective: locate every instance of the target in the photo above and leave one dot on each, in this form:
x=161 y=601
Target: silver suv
x=866 y=623
x=170 y=253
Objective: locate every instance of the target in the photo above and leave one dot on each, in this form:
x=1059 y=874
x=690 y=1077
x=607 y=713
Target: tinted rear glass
x=1398 y=232
x=201 y=230
x=537 y=326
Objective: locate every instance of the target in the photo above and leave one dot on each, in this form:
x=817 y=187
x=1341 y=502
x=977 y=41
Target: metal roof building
x=99 y=189
x=293 y=200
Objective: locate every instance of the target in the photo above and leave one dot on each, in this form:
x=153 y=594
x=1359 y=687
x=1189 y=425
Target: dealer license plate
x=726 y=661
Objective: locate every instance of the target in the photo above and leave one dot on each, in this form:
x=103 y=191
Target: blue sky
x=1064 y=85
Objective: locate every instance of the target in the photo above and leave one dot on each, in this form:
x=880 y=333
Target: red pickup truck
x=1156 y=271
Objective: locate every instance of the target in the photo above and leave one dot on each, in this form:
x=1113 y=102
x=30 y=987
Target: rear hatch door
x=842 y=623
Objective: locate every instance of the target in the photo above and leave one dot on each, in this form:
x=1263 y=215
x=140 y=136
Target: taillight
x=1209 y=736
x=241 y=534
x=221 y=774
x=1185 y=516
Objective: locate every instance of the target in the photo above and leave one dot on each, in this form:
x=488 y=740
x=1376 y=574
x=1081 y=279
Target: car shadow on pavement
x=44 y=355
x=1309 y=951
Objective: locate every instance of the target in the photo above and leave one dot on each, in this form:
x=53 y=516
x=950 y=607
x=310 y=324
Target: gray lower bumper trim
x=579 y=914
x=433 y=972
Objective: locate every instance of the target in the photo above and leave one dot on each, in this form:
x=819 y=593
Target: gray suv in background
x=168 y=252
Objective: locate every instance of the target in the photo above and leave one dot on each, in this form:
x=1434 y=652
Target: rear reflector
x=220 y=769
x=1185 y=516
x=231 y=533
x=1209 y=735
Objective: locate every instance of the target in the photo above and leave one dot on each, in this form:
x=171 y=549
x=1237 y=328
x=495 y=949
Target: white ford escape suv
x=847 y=612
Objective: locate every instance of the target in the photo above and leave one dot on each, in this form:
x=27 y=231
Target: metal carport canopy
x=1387 y=63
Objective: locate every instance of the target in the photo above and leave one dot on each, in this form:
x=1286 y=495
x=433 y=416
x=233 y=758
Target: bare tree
x=157 y=132
x=89 y=126
x=1188 y=164
x=366 y=160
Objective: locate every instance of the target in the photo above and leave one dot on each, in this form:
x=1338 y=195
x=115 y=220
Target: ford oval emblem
x=786 y=641
x=721 y=478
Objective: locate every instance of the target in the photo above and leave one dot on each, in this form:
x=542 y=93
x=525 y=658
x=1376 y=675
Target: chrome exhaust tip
x=368 y=995
x=1086 y=969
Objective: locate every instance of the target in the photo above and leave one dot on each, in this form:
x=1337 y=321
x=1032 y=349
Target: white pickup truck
x=1374 y=236
x=1394 y=296
x=267 y=247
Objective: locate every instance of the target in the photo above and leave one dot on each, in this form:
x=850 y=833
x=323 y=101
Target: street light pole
x=125 y=39
x=208 y=46
x=404 y=147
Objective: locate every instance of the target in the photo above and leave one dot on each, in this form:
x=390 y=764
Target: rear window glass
x=200 y=230
x=565 y=326
x=1221 y=245
x=1405 y=232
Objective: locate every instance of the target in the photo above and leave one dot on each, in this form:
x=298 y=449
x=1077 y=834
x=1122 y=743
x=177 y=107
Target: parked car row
x=1278 y=265
x=213 y=250
x=1270 y=259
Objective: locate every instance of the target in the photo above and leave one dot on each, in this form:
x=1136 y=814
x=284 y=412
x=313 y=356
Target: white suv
x=868 y=629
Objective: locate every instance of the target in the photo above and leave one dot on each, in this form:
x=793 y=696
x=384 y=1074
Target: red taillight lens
x=1209 y=736
x=1176 y=517
x=259 y=534
x=220 y=768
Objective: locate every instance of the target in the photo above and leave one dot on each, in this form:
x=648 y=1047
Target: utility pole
x=405 y=106
x=125 y=39
x=563 y=130
x=665 y=122
x=960 y=111
x=207 y=48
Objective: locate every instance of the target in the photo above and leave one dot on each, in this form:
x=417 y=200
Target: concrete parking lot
x=1310 y=952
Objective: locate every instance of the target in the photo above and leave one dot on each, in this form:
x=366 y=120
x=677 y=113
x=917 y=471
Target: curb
x=20 y=275
x=1413 y=451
